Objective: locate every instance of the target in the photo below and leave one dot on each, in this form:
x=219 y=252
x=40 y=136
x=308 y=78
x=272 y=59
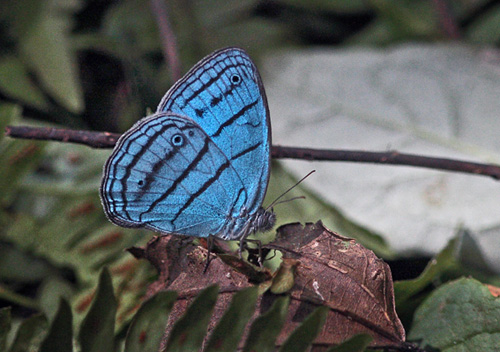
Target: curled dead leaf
x=320 y=268
x=351 y=280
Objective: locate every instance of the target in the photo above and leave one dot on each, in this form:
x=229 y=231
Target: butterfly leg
x=260 y=260
x=210 y=245
x=243 y=246
x=243 y=239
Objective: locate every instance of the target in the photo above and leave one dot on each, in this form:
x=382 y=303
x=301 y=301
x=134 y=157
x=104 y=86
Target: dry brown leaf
x=338 y=272
x=321 y=268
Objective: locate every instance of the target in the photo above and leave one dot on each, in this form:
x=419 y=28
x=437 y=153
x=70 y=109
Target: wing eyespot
x=177 y=140
x=235 y=79
x=191 y=133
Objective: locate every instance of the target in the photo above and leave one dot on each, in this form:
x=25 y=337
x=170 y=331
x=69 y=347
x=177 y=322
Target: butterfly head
x=264 y=220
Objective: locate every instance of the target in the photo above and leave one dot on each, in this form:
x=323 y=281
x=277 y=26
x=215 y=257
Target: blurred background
x=417 y=76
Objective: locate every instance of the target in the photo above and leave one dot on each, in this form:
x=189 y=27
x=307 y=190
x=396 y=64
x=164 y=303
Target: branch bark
x=108 y=140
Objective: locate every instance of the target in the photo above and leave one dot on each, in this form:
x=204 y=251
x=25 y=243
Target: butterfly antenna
x=288 y=200
x=275 y=202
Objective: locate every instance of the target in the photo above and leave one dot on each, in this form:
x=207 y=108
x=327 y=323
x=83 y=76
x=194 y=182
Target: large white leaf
x=435 y=100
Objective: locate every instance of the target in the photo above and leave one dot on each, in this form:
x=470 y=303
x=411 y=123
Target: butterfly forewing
x=164 y=174
x=223 y=93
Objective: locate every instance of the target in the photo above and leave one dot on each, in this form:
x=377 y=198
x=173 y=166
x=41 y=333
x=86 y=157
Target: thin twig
x=108 y=140
x=167 y=36
x=88 y=138
x=389 y=157
x=446 y=19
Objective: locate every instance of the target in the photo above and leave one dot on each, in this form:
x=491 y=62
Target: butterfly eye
x=177 y=140
x=235 y=79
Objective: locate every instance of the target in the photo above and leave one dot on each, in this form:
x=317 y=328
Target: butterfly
x=200 y=165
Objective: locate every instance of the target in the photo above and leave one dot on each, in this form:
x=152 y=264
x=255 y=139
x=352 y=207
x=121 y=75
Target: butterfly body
x=200 y=165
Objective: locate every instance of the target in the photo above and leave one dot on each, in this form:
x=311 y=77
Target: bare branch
x=389 y=157
x=167 y=36
x=108 y=140
x=91 y=139
x=447 y=20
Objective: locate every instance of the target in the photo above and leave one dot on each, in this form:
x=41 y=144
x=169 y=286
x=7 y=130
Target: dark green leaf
x=17 y=84
x=51 y=291
x=69 y=228
x=304 y=335
x=148 y=326
x=266 y=328
x=407 y=18
x=97 y=329
x=5 y=325
x=458 y=258
x=9 y=113
x=284 y=277
x=484 y=28
x=264 y=33
x=17 y=157
x=47 y=48
x=188 y=332
x=356 y=343
x=445 y=260
x=342 y=6
x=16 y=298
x=461 y=315
x=138 y=33
x=210 y=13
x=30 y=334
x=20 y=266
x=60 y=336
x=24 y=14
x=469 y=253
x=234 y=320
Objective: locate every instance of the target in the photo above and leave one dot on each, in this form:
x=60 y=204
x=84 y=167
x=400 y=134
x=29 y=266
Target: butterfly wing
x=166 y=174
x=224 y=94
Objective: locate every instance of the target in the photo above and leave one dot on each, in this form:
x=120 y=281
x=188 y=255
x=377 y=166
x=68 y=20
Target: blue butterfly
x=200 y=165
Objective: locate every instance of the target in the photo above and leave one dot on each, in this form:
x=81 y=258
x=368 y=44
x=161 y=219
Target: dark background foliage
x=100 y=65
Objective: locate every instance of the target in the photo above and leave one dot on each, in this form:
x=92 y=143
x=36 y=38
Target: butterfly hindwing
x=168 y=175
